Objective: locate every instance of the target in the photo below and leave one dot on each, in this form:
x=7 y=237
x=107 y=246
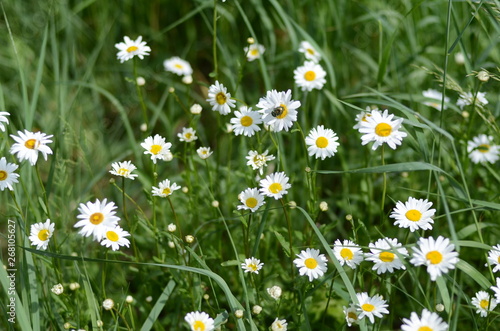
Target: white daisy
x=258 y=161
x=40 y=234
x=371 y=307
x=123 y=169
x=482 y=150
x=322 y=142
x=246 y=121
x=115 y=237
x=165 y=189
x=435 y=99
x=311 y=263
x=204 y=152
x=29 y=144
x=251 y=199
x=3 y=119
x=414 y=214
x=385 y=254
x=275 y=185
x=309 y=51
x=254 y=51
x=494 y=258
x=351 y=314
x=252 y=265
x=199 y=321
x=108 y=304
x=437 y=254
x=496 y=289
x=131 y=48
x=430 y=321
x=7 y=174
x=347 y=252
x=468 y=98
x=484 y=303
x=96 y=217
x=187 y=135
x=310 y=76
x=381 y=128
x=278 y=110
x=279 y=325
x=220 y=99
x=178 y=66
x=158 y=148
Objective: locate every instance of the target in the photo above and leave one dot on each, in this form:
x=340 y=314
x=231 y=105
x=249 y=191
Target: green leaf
x=398 y=167
x=474 y=274
x=284 y=244
x=158 y=307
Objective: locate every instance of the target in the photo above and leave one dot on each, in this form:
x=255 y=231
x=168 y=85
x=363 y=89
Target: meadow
x=250 y=165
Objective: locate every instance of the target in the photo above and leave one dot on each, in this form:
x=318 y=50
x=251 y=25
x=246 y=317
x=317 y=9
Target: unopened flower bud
x=323 y=206
x=172 y=227
x=256 y=309
x=238 y=313
x=189 y=239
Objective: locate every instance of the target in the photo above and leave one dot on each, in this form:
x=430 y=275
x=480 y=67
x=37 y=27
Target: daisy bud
x=292 y=204
x=215 y=204
x=99 y=323
x=57 y=289
x=171 y=244
x=188 y=79
x=67 y=325
x=483 y=76
x=323 y=206
x=206 y=296
x=185 y=189
x=238 y=313
x=250 y=40
x=108 y=304
x=144 y=127
x=195 y=109
x=129 y=299
x=404 y=174
x=171 y=90
x=189 y=239
x=439 y=307
x=348 y=217
x=172 y=227
x=274 y=292
x=256 y=309
x=308 y=170
x=460 y=58
x=141 y=81
x=149 y=299
x=465 y=114
x=74 y=286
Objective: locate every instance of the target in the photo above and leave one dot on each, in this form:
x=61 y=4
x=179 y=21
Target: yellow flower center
x=364 y=117
x=311 y=263
x=434 y=257
x=498 y=259
x=484 y=148
x=484 y=304
x=425 y=328
x=352 y=315
x=166 y=191
x=3 y=175
x=254 y=52
x=123 y=172
x=96 y=218
x=252 y=266
x=321 y=142
x=246 y=121
x=284 y=113
x=251 y=202
x=413 y=215
x=155 y=149
x=386 y=256
x=43 y=235
x=310 y=75
x=220 y=98
x=199 y=326
x=30 y=143
x=367 y=307
x=275 y=188
x=178 y=66
x=132 y=49
x=112 y=235
x=383 y=129
x=310 y=51
x=188 y=135
x=346 y=254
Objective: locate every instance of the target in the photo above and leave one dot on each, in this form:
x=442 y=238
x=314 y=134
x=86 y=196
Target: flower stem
x=139 y=94
x=289 y=226
x=384 y=186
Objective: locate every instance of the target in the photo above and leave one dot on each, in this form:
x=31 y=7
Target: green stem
x=139 y=94
x=384 y=187
x=289 y=226
x=214 y=41
x=45 y=199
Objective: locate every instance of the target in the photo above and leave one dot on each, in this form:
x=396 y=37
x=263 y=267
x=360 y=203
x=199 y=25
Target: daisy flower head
x=165 y=189
x=204 y=152
x=321 y=142
x=95 y=218
x=275 y=185
x=252 y=265
x=309 y=51
x=311 y=263
x=200 y=321
x=484 y=303
x=246 y=121
x=3 y=119
x=494 y=258
x=115 y=237
x=361 y=117
x=348 y=253
x=158 y=148
x=496 y=289
x=467 y=99
x=437 y=254
x=130 y=48
x=187 y=135
x=429 y=321
x=254 y=51
x=382 y=128
x=29 y=144
x=123 y=169
x=279 y=325
x=274 y=292
x=414 y=214
x=351 y=314
x=7 y=174
x=481 y=149
x=178 y=66
x=258 y=161
x=108 y=304
x=278 y=110
x=40 y=234
x=220 y=99
x=310 y=76
x=435 y=99
x=371 y=307
x=385 y=254
x=251 y=199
